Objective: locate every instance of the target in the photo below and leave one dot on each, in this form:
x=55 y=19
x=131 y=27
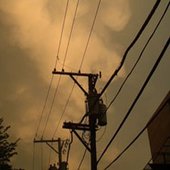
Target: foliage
x=7 y=149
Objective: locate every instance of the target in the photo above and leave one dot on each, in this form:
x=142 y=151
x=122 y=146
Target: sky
x=29 y=38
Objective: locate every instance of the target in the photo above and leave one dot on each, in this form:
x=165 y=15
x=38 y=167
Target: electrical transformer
x=102 y=118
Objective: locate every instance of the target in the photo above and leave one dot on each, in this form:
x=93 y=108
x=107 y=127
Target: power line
x=90 y=33
x=75 y=13
x=71 y=31
x=64 y=110
x=44 y=106
x=151 y=36
x=62 y=30
x=50 y=85
x=139 y=134
x=84 y=154
x=104 y=131
x=65 y=56
x=131 y=45
x=137 y=98
x=50 y=111
x=119 y=90
x=127 y=51
x=56 y=90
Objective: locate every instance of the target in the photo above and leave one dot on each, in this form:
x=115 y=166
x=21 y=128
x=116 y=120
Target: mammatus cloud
x=115 y=14
x=34 y=30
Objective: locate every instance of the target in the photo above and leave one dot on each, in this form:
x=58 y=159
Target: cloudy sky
x=29 y=38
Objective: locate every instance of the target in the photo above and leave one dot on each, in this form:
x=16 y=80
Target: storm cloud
x=29 y=36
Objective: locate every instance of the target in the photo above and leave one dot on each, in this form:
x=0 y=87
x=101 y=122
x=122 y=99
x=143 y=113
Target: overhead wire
x=90 y=33
x=81 y=64
x=156 y=27
x=135 y=64
x=63 y=65
x=136 y=99
x=44 y=106
x=65 y=56
x=82 y=159
x=57 y=56
x=51 y=107
x=142 y=29
x=71 y=31
x=62 y=31
x=131 y=45
x=104 y=131
x=132 y=42
x=137 y=61
x=64 y=110
x=82 y=60
x=141 y=52
x=52 y=77
x=139 y=134
x=51 y=80
x=88 y=40
x=56 y=89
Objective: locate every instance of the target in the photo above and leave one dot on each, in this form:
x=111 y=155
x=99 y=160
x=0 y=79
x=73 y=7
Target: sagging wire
x=85 y=50
x=57 y=58
x=136 y=98
x=139 y=134
x=144 y=25
x=84 y=154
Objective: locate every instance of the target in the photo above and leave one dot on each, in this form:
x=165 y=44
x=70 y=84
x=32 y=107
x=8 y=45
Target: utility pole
x=92 y=119
x=62 y=164
x=93 y=112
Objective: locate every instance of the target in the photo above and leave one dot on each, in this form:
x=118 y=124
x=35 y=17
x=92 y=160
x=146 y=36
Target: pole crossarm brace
x=83 y=142
x=48 y=143
x=78 y=126
x=72 y=74
x=79 y=85
x=52 y=148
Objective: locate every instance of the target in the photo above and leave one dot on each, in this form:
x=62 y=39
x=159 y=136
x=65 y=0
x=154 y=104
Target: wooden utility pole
x=59 y=151
x=92 y=119
x=92 y=101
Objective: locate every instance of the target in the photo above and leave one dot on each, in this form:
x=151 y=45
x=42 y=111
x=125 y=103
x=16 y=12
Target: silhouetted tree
x=7 y=149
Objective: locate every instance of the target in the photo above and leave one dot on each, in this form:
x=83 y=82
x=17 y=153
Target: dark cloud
x=23 y=84
x=21 y=87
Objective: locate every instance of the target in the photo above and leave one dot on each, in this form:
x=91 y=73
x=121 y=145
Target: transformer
x=102 y=118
